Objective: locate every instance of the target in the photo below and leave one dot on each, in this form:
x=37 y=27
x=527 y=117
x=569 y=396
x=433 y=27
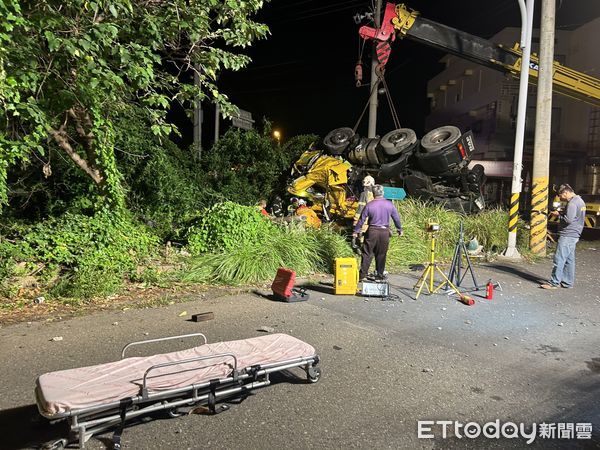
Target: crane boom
x=402 y=22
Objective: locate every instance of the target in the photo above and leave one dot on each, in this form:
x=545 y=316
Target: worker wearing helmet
x=291 y=209
x=378 y=212
x=365 y=197
x=307 y=214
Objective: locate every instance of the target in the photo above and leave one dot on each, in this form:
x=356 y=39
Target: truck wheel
x=398 y=141
x=440 y=138
x=337 y=140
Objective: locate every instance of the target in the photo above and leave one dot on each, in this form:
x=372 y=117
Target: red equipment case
x=283 y=287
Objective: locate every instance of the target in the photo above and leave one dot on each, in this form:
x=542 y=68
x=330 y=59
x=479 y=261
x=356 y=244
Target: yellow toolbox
x=345 y=276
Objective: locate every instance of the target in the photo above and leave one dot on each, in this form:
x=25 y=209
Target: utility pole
x=197 y=117
x=372 y=132
x=543 y=128
x=526 y=32
x=217 y=121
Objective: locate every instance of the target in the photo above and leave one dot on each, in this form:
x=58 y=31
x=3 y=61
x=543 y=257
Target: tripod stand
x=428 y=276
x=456 y=274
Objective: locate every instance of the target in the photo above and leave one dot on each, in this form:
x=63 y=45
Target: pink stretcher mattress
x=66 y=390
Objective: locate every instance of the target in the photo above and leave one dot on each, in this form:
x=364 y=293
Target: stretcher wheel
x=173 y=413
x=313 y=374
x=55 y=445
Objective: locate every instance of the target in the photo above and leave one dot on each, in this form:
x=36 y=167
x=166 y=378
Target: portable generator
x=345 y=276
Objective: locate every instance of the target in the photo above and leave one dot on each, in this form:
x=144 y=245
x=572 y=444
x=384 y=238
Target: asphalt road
x=528 y=356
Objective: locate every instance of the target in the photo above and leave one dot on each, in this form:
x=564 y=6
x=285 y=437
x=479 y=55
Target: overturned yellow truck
x=434 y=168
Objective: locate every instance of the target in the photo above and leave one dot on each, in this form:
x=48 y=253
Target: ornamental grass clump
x=291 y=246
x=488 y=227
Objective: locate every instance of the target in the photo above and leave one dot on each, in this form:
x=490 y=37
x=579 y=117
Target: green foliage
x=68 y=70
x=305 y=251
x=245 y=166
x=227 y=225
x=488 y=227
x=164 y=184
x=77 y=255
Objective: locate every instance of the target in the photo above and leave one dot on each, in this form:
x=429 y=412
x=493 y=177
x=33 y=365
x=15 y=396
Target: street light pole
x=372 y=131
x=526 y=32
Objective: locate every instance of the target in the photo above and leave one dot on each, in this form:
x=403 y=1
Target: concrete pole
x=372 y=132
x=543 y=125
x=217 y=121
x=197 y=119
x=526 y=32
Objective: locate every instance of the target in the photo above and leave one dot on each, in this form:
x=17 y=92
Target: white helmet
x=368 y=181
x=301 y=202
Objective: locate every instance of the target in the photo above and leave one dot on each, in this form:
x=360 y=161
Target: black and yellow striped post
x=539 y=216
x=513 y=218
x=513 y=215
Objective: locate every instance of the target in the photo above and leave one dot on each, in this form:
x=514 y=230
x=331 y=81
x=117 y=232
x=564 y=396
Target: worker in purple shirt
x=378 y=213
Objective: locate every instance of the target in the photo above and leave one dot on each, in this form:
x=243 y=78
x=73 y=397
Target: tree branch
x=60 y=137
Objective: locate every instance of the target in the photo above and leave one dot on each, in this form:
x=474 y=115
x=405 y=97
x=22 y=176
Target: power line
x=326 y=10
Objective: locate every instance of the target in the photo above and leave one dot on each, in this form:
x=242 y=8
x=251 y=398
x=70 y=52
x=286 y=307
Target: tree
x=69 y=69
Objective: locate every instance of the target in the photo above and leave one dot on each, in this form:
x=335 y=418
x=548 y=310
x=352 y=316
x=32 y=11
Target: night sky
x=302 y=76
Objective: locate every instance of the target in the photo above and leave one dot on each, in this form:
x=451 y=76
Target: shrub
x=88 y=255
x=225 y=226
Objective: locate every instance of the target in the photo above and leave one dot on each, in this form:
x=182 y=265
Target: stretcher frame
x=87 y=422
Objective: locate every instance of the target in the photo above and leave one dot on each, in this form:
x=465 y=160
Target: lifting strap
x=124 y=404
x=394 y=113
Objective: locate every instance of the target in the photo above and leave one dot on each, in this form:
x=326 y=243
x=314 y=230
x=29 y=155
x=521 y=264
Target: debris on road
x=203 y=317
x=266 y=329
x=56 y=338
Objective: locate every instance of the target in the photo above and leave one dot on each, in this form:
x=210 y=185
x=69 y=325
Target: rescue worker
x=291 y=209
x=365 y=197
x=571 y=224
x=378 y=212
x=277 y=207
x=262 y=208
x=307 y=214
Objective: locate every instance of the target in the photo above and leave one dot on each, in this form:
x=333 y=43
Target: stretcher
x=97 y=398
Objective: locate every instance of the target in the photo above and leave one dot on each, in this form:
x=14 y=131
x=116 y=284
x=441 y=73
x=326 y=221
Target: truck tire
x=397 y=141
x=338 y=140
x=440 y=138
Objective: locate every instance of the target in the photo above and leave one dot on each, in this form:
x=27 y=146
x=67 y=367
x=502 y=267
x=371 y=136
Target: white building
x=484 y=100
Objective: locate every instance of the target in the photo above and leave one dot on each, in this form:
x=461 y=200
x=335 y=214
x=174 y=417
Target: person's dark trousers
x=376 y=244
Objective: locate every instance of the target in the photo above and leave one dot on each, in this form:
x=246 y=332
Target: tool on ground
x=428 y=276
x=457 y=273
x=464 y=298
x=130 y=389
x=345 y=276
x=375 y=289
x=283 y=287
